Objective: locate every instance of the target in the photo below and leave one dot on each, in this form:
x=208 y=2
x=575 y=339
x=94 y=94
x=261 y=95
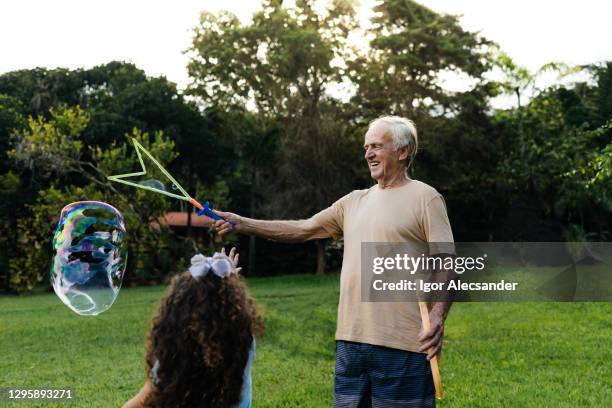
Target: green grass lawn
x=496 y=354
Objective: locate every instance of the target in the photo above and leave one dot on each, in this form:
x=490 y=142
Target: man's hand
x=223 y=227
x=432 y=339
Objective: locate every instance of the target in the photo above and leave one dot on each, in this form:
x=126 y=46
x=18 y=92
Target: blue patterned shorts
x=380 y=377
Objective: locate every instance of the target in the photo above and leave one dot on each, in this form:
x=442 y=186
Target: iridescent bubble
x=156 y=184
x=90 y=256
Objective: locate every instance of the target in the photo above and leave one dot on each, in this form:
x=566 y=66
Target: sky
x=153 y=34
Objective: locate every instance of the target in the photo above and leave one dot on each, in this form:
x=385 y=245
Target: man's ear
x=404 y=151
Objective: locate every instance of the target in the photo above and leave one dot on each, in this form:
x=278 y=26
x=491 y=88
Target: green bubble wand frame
x=121 y=178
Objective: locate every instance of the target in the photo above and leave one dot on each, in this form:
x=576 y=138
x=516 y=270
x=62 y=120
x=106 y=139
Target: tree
x=12 y=116
x=283 y=53
x=118 y=97
x=317 y=167
x=13 y=193
x=603 y=96
x=54 y=150
x=411 y=50
x=546 y=170
x=281 y=63
x=410 y=47
x=39 y=89
x=596 y=174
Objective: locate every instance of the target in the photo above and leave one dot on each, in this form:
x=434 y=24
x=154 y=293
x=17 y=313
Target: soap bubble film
x=156 y=184
x=90 y=256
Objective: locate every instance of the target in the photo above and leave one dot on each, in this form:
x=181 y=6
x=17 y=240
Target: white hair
x=404 y=133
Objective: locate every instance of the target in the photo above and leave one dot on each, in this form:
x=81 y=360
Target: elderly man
x=381 y=351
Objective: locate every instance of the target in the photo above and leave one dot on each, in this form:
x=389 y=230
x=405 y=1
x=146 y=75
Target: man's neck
x=394 y=182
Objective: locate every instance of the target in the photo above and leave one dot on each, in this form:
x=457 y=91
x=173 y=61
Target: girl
x=201 y=345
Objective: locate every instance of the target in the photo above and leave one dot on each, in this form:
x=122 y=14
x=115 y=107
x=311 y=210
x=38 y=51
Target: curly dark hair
x=201 y=338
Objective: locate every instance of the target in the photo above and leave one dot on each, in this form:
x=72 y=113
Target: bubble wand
x=435 y=368
x=121 y=178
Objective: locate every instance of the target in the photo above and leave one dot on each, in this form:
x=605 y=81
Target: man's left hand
x=432 y=339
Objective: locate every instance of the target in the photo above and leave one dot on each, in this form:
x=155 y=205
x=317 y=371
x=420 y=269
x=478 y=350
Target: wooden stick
x=435 y=369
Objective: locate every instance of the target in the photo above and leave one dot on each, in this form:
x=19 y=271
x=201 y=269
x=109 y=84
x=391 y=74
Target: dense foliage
x=272 y=126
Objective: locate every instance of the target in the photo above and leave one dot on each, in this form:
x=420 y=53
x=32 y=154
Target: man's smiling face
x=384 y=161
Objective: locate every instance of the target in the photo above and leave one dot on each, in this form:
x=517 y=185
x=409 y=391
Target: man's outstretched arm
x=281 y=230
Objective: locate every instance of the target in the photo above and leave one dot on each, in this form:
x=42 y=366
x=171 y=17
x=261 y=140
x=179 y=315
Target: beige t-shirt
x=414 y=212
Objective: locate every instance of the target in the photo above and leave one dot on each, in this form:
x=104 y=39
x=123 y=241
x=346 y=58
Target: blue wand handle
x=206 y=210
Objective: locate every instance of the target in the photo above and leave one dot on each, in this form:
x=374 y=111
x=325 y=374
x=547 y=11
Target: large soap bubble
x=90 y=256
